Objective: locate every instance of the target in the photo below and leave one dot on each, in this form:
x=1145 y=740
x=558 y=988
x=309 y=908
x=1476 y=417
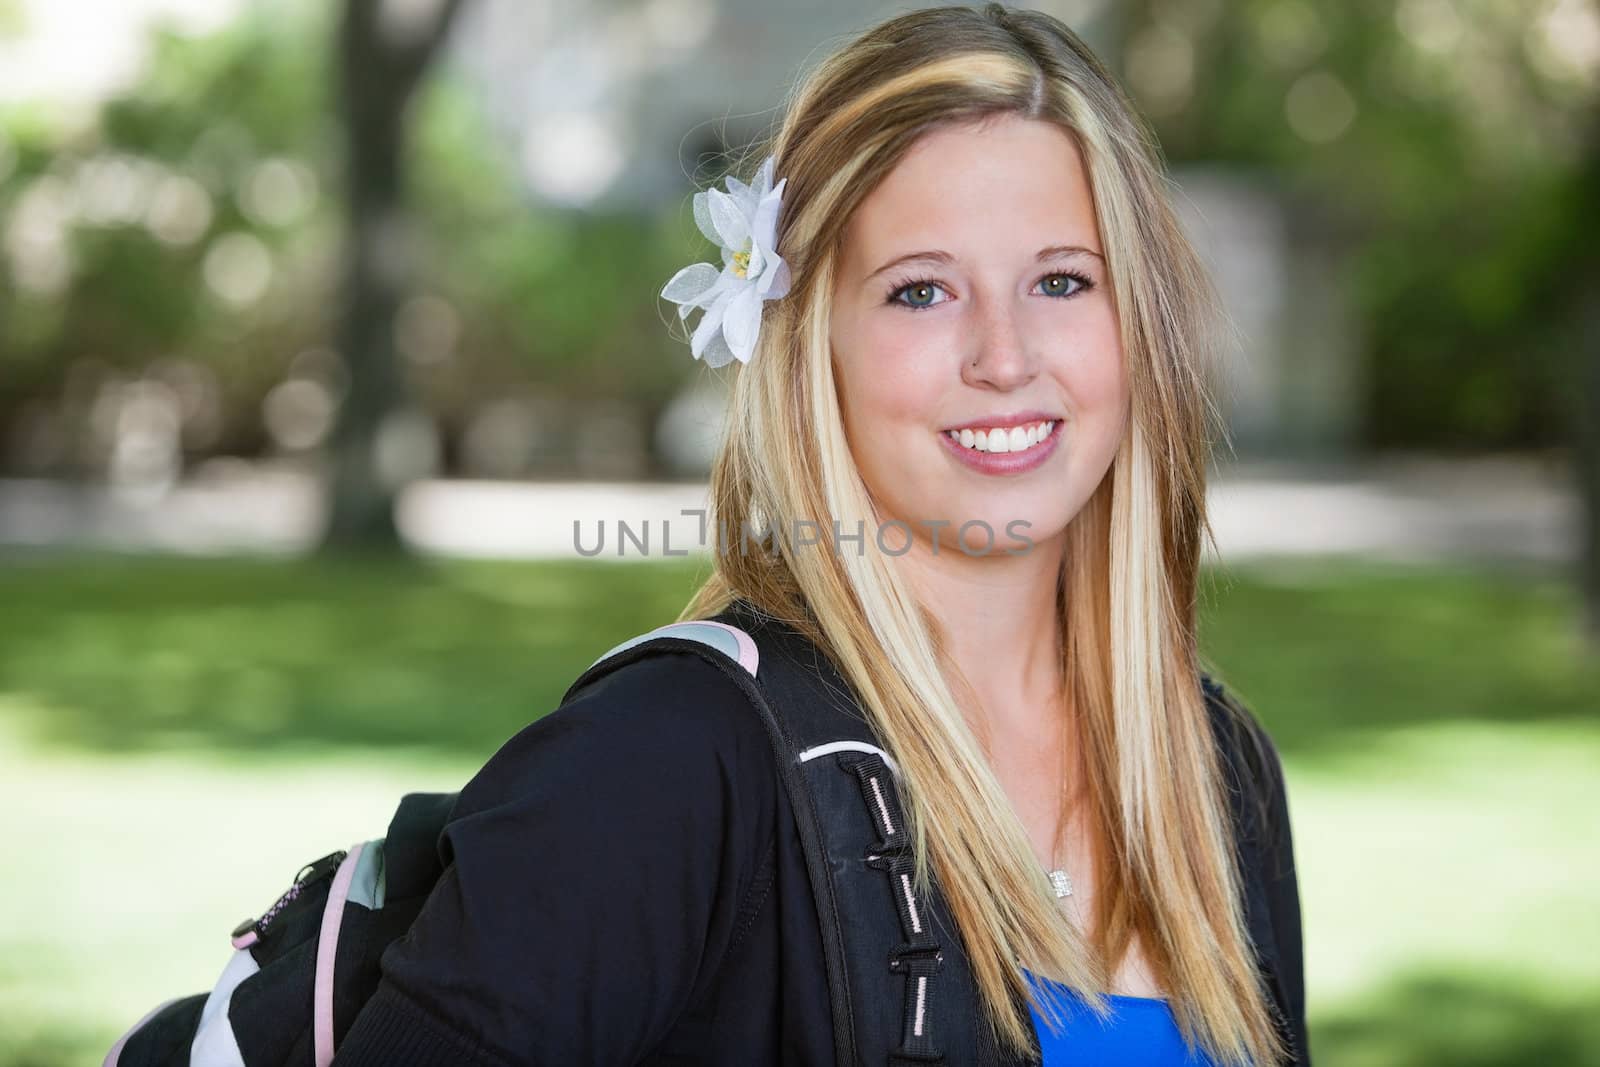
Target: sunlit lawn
x=178 y=737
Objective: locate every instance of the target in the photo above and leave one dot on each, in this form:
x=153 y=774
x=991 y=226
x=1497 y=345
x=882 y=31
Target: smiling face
x=1001 y=323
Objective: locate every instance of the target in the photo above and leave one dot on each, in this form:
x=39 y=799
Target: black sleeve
x=1258 y=788
x=1283 y=900
x=596 y=866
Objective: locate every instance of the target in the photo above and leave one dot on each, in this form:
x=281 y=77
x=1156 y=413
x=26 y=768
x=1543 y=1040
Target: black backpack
x=301 y=971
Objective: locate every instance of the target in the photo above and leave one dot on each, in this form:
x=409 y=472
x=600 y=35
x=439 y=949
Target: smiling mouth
x=1017 y=438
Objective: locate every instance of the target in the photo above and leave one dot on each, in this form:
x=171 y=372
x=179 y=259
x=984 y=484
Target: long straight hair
x=1127 y=589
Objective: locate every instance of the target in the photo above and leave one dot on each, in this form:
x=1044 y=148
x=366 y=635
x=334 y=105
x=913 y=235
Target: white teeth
x=1016 y=439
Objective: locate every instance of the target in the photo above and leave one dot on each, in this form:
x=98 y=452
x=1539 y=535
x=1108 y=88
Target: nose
x=998 y=355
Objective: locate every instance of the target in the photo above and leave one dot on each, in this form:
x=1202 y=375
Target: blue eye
x=920 y=291
x=921 y=287
x=1063 y=277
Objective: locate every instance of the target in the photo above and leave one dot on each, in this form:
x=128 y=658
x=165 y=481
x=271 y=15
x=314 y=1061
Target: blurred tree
x=384 y=48
x=1580 y=293
x=1460 y=142
x=175 y=237
x=1447 y=135
x=182 y=240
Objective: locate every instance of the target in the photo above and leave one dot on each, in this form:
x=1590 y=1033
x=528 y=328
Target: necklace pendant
x=1061 y=884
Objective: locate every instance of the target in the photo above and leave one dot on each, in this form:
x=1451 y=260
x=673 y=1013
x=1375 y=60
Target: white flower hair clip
x=743 y=222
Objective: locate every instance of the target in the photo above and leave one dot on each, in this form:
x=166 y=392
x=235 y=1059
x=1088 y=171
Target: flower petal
x=732 y=225
x=746 y=197
x=725 y=281
x=763 y=179
x=717 y=353
x=709 y=323
x=764 y=225
x=775 y=282
x=691 y=283
x=741 y=322
x=702 y=218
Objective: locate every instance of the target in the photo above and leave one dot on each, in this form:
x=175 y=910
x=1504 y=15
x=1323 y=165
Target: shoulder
x=597 y=870
x=1251 y=764
x=666 y=724
x=672 y=701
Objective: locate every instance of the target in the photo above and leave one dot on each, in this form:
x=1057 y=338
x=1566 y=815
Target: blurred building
x=617 y=104
x=633 y=105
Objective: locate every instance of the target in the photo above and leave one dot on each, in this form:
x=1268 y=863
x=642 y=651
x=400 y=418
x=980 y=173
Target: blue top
x=1140 y=1033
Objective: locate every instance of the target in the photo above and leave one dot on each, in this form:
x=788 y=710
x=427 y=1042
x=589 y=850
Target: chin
x=1009 y=534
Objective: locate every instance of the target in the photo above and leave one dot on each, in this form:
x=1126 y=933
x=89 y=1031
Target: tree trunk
x=1584 y=282
x=380 y=57
x=1587 y=446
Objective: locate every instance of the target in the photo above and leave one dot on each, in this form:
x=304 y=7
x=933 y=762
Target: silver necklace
x=1059 y=881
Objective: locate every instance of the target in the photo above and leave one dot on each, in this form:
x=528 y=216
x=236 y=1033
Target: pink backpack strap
x=327 y=951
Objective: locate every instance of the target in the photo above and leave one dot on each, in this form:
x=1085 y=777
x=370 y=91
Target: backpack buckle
x=916 y=960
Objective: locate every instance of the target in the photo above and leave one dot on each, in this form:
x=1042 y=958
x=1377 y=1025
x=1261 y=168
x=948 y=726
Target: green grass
x=1451 y=868
x=178 y=737
x=126 y=873
x=1332 y=653
x=249 y=655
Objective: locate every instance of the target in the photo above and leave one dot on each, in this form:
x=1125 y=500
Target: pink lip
x=1004 y=462
x=1008 y=420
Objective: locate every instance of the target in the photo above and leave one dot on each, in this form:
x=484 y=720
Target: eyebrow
x=936 y=255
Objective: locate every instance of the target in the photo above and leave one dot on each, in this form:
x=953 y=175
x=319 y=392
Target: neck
x=1002 y=626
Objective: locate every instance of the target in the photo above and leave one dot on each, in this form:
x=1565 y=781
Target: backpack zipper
x=310 y=874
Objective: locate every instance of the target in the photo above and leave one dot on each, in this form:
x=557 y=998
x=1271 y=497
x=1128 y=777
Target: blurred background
x=321 y=324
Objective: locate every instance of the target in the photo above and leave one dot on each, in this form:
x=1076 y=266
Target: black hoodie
x=626 y=885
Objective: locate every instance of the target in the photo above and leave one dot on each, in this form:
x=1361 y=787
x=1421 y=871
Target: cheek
x=1095 y=378
x=888 y=379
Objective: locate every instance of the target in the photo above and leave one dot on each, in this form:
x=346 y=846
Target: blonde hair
x=1127 y=589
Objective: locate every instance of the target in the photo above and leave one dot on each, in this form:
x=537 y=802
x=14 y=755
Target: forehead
x=976 y=185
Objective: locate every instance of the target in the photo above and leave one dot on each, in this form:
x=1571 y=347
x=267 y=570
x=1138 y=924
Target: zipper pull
x=316 y=869
x=251 y=931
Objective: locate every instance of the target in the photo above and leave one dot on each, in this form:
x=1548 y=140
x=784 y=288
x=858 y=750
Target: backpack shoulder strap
x=899 y=982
